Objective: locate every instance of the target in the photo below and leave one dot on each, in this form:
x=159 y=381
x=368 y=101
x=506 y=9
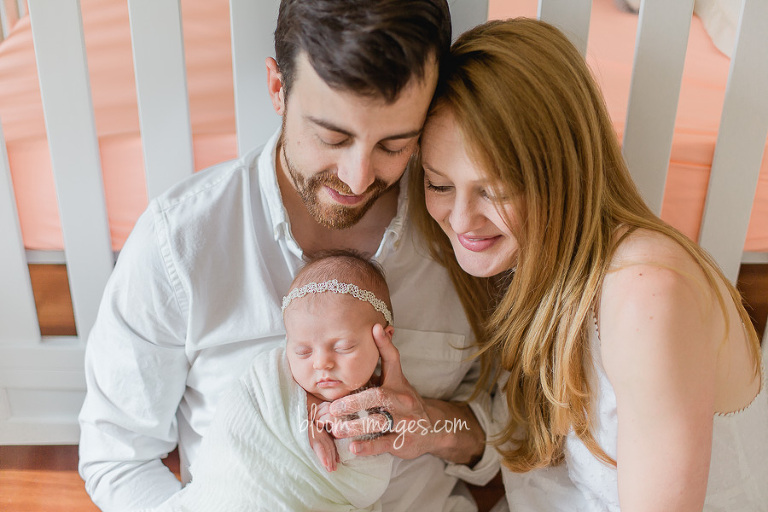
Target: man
x=196 y=292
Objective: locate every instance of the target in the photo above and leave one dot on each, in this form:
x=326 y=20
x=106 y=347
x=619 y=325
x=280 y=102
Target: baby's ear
x=390 y=331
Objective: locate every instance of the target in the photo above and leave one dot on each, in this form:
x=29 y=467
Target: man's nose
x=356 y=170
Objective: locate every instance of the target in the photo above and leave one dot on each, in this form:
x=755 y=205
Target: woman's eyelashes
x=486 y=194
x=436 y=188
x=494 y=196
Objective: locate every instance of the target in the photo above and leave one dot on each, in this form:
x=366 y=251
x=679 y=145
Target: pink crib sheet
x=110 y=62
x=207 y=48
x=610 y=51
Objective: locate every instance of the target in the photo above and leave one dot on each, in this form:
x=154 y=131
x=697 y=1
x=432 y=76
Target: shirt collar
x=271 y=190
x=281 y=227
x=393 y=233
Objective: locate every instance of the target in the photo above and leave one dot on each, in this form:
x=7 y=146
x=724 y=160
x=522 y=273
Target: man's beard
x=334 y=216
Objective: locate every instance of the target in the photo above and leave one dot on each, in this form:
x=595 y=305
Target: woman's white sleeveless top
x=738 y=471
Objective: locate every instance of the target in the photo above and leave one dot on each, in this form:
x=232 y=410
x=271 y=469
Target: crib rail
x=661 y=42
x=17 y=304
x=65 y=91
x=10 y=12
x=660 y=49
x=740 y=143
x=662 y=39
x=161 y=87
x=41 y=384
x=571 y=17
x=250 y=45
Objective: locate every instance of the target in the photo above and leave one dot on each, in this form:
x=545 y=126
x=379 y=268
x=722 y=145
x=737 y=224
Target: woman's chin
x=480 y=271
x=477 y=266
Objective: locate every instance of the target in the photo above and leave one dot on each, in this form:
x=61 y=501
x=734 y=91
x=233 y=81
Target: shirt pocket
x=434 y=363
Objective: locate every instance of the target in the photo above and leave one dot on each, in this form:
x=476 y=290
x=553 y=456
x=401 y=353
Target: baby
x=263 y=450
x=329 y=330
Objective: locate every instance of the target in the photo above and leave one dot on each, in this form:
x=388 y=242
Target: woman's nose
x=464 y=216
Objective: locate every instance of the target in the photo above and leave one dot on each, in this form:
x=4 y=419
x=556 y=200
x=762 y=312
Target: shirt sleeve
x=486 y=468
x=135 y=369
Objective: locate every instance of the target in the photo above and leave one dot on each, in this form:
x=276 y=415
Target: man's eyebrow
x=406 y=135
x=332 y=127
x=329 y=126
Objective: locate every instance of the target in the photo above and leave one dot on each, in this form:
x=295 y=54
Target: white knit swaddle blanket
x=256 y=454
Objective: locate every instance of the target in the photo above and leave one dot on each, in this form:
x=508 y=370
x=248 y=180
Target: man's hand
x=410 y=433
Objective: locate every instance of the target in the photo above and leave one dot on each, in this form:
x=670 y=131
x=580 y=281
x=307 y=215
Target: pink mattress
x=207 y=47
x=110 y=62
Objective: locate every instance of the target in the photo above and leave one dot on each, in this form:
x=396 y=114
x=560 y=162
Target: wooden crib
x=41 y=378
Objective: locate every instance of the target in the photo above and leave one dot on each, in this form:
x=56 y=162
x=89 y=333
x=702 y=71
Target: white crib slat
x=466 y=14
x=161 y=88
x=65 y=89
x=9 y=15
x=662 y=39
x=740 y=143
x=253 y=28
x=570 y=16
x=18 y=316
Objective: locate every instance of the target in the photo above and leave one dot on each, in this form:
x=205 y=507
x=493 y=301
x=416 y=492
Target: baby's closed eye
x=345 y=348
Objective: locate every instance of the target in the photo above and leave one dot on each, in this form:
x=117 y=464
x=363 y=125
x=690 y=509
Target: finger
x=325 y=419
x=331 y=457
x=334 y=458
x=390 y=356
x=322 y=455
x=323 y=408
x=373 y=447
x=368 y=399
x=375 y=423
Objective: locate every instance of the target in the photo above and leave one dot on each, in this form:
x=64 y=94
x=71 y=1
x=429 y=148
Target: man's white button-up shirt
x=196 y=294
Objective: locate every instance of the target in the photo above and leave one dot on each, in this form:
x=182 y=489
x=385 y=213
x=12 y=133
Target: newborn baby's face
x=330 y=348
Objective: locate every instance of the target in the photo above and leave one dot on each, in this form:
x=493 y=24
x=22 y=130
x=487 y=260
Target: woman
x=630 y=372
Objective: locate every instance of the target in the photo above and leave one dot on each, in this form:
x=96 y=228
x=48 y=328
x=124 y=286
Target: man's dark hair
x=370 y=47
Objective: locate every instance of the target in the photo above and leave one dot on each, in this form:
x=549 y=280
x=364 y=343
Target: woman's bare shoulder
x=655 y=301
x=646 y=247
x=649 y=268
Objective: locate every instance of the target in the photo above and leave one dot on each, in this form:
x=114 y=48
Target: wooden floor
x=45 y=478
x=753 y=285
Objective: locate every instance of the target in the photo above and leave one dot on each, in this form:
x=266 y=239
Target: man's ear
x=275 y=86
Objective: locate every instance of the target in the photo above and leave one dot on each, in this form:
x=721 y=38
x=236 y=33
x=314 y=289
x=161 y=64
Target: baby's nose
x=322 y=362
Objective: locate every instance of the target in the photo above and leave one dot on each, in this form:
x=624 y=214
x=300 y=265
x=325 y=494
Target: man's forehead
x=358 y=115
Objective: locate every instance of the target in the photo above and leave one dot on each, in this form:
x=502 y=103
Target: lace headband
x=336 y=287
